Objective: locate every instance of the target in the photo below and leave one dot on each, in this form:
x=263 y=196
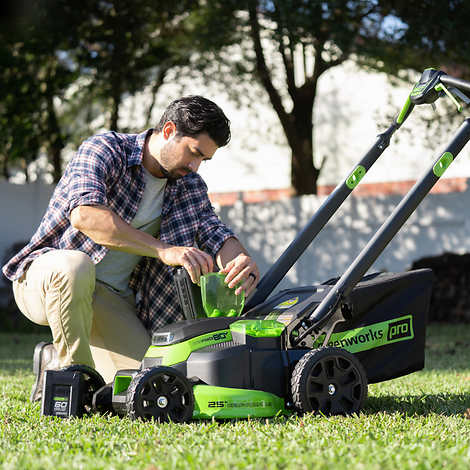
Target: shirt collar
x=137 y=152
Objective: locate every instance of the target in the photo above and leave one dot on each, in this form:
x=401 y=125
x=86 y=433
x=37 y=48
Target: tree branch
x=288 y=61
x=262 y=69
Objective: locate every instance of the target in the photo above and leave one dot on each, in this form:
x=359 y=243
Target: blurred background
x=307 y=84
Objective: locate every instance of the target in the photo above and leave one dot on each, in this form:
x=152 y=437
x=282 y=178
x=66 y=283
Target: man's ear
x=169 y=130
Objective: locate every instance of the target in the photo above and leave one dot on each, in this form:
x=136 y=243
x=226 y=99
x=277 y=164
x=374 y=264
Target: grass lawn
x=421 y=421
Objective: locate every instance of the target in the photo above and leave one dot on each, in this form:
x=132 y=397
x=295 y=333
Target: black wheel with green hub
x=92 y=381
x=330 y=381
x=162 y=394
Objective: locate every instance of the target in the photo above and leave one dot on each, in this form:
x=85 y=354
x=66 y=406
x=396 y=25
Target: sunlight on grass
x=414 y=422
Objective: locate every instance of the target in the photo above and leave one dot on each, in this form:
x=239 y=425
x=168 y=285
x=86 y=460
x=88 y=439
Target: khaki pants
x=90 y=324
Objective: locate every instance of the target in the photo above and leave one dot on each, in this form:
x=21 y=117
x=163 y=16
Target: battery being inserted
x=189 y=295
x=61 y=394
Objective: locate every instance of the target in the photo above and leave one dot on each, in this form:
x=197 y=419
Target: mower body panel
x=223 y=403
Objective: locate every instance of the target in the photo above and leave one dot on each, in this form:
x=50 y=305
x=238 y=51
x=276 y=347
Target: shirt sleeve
x=88 y=172
x=212 y=232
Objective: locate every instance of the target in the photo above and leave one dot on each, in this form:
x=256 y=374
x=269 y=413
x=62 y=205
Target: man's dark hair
x=194 y=115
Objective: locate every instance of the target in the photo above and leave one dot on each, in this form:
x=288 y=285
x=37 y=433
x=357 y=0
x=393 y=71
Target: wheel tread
x=132 y=391
x=298 y=377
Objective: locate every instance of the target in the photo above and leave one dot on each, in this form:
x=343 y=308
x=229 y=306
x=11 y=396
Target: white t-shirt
x=116 y=267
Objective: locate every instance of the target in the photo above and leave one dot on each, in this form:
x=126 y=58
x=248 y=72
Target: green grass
x=421 y=421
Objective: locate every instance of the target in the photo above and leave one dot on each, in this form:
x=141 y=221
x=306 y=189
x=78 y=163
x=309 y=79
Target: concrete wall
x=21 y=209
x=441 y=223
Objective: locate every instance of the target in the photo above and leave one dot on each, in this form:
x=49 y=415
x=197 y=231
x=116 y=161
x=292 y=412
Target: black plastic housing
x=61 y=395
x=261 y=363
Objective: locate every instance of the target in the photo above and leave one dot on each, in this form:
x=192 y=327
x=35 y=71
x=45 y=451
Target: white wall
x=441 y=223
x=351 y=108
x=21 y=209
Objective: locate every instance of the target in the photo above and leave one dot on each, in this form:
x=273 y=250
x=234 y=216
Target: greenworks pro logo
x=400 y=330
x=372 y=336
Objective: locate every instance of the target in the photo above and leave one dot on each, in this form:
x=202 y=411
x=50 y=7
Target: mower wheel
x=329 y=381
x=162 y=394
x=92 y=382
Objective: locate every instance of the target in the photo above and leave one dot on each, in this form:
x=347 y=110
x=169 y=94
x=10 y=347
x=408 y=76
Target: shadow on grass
x=445 y=404
x=16 y=351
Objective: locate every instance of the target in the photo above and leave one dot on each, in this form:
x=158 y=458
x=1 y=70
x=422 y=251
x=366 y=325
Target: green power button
x=442 y=164
x=355 y=177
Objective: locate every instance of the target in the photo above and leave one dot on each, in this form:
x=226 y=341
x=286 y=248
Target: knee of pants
x=74 y=270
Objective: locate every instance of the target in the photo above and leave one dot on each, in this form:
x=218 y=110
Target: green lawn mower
x=306 y=349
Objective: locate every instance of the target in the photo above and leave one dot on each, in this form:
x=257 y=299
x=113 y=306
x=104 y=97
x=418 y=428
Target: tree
x=32 y=76
x=119 y=46
x=129 y=44
x=325 y=33
x=419 y=35
x=289 y=35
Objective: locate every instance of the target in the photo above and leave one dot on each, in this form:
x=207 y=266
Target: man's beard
x=166 y=174
x=173 y=174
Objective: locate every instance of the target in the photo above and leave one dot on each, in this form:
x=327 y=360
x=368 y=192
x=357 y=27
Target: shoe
x=44 y=358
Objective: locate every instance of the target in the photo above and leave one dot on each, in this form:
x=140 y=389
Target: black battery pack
x=61 y=394
x=189 y=295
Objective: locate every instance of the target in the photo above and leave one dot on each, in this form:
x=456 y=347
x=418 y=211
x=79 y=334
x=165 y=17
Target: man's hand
x=242 y=273
x=106 y=228
x=195 y=261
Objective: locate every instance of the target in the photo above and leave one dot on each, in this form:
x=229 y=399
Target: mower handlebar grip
x=458 y=83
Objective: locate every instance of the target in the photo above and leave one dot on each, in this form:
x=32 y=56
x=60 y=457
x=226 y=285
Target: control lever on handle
x=462 y=96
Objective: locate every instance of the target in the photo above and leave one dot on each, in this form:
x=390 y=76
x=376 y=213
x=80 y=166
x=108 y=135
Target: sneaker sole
x=37 y=357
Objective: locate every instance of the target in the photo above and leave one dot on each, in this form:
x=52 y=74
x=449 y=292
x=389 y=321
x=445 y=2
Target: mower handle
x=432 y=85
x=458 y=83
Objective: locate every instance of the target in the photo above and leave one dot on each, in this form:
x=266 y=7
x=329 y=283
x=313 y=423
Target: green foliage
x=126 y=45
x=416 y=422
x=33 y=74
x=62 y=65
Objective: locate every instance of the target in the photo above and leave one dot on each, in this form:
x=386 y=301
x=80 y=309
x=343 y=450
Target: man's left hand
x=241 y=273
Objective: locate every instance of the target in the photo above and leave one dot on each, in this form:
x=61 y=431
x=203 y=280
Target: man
x=129 y=209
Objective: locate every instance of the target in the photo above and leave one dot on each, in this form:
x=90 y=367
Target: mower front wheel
x=160 y=393
x=330 y=381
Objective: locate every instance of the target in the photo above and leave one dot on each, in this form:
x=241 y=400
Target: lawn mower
x=307 y=349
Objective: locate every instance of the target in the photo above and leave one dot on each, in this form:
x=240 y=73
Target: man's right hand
x=195 y=261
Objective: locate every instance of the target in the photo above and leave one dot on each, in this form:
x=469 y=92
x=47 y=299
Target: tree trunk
x=56 y=143
x=5 y=171
x=304 y=174
x=297 y=124
x=115 y=102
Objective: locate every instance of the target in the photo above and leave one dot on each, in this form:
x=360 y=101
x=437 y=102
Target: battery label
x=287 y=303
x=61 y=399
x=61 y=407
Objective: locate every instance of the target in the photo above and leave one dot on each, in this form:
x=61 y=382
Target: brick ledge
x=444 y=186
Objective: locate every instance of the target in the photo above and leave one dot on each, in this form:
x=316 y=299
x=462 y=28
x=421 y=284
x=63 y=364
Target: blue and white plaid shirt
x=107 y=170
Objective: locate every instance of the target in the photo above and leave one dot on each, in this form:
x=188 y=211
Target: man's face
x=181 y=155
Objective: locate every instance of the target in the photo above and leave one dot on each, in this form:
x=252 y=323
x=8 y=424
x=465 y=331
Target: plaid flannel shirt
x=107 y=170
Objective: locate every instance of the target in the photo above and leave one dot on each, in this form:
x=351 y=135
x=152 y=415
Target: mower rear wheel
x=330 y=381
x=92 y=382
x=162 y=394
